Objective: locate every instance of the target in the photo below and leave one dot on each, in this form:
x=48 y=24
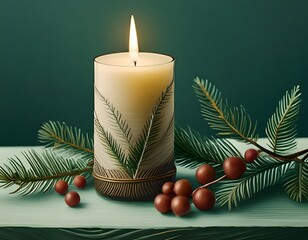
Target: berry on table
x=204 y=199
x=175 y=196
x=72 y=199
x=80 y=181
x=162 y=203
x=180 y=205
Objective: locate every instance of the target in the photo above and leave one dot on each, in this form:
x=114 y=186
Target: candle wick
x=135 y=63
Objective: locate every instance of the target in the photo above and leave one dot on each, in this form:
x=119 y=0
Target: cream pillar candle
x=134 y=119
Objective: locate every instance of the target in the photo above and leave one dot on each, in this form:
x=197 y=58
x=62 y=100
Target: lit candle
x=133 y=42
x=134 y=114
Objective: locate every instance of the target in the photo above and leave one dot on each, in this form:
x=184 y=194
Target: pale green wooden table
x=270 y=214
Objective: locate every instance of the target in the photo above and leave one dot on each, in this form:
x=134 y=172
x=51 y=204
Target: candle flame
x=133 y=41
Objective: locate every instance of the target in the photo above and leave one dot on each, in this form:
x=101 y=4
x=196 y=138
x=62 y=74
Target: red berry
x=80 y=181
x=180 y=205
x=234 y=167
x=182 y=187
x=72 y=199
x=204 y=199
x=251 y=154
x=61 y=187
x=162 y=203
x=167 y=188
x=205 y=174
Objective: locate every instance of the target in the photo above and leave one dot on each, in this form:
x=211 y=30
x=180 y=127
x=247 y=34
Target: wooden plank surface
x=270 y=208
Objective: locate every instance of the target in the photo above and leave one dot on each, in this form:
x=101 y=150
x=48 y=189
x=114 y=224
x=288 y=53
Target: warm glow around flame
x=133 y=41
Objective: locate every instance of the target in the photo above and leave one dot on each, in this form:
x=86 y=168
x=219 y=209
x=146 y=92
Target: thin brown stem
x=286 y=158
x=60 y=140
x=210 y=183
x=37 y=179
x=297 y=154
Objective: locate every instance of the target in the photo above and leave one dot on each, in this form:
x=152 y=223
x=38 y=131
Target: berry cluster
x=175 y=196
x=71 y=198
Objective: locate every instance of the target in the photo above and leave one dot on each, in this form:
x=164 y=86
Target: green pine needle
x=281 y=127
x=69 y=140
x=44 y=170
x=264 y=172
x=149 y=140
x=192 y=149
x=120 y=125
x=228 y=121
x=296 y=182
x=113 y=149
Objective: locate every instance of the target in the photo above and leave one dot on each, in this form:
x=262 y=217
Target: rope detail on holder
x=136 y=180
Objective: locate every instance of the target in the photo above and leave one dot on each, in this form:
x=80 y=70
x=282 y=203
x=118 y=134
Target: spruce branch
x=296 y=182
x=192 y=149
x=44 y=170
x=264 y=172
x=234 y=121
x=67 y=139
x=281 y=127
x=228 y=121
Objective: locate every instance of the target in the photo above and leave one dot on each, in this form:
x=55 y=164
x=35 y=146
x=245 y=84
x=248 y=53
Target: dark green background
x=253 y=51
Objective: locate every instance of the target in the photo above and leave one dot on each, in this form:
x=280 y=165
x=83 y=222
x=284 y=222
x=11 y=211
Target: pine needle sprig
x=44 y=170
x=192 y=149
x=281 y=127
x=277 y=166
x=137 y=152
x=120 y=125
x=158 y=113
x=150 y=139
x=113 y=149
x=235 y=122
x=296 y=182
x=67 y=139
x=264 y=172
x=228 y=121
